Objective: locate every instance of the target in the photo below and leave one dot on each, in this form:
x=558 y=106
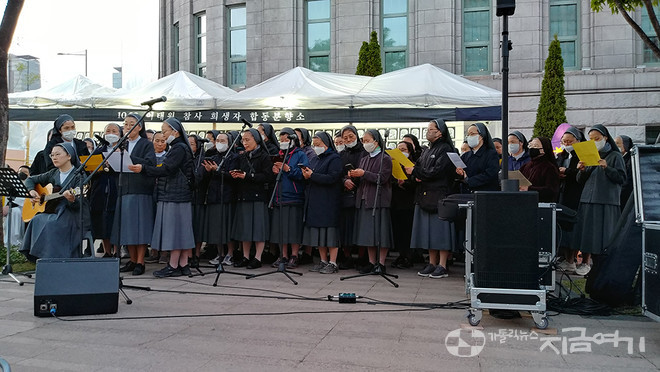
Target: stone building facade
x=611 y=78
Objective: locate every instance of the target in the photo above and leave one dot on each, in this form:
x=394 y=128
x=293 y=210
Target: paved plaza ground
x=268 y=323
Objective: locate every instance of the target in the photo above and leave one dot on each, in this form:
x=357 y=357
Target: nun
x=625 y=143
x=253 y=176
x=134 y=214
x=518 y=150
x=64 y=131
x=287 y=216
x=220 y=199
x=269 y=139
x=173 y=230
x=58 y=234
x=306 y=145
x=434 y=176
x=483 y=164
x=321 y=211
x=103 y=192
x=599 y=208
x=373 y=224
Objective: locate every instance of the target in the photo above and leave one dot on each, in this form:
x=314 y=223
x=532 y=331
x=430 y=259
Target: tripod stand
x=11 y=186
x=281 y=267
x=220 y=268
x=378 y=270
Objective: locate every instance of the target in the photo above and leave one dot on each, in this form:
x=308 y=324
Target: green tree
x=624 y=7
x=552 y=106
x=30 y=78
x=369 y=62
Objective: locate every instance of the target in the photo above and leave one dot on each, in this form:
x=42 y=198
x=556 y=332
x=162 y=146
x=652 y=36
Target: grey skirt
x=217 y=223
x=321 y=236
x=595 y=223
x=173 y=228
x=137 y=220
x=251 y=223
x=372 y=231
x=430 y=232
x=198 y=216
x=287 y=224
x=347 y=226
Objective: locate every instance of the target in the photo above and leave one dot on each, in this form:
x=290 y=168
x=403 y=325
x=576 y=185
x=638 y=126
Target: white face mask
x=221 y=147
x=169 y=139
x=319 y=150
x=405 y=154
x=513 y=148
x=352 y=144
x=263 y=137
x=473 y=141
x=340 y=148
x=600 y=144
x=208 y=146
x=370 y=147
x=568 y=148
x=284 y=145
x=112 y=138
x=69 y=135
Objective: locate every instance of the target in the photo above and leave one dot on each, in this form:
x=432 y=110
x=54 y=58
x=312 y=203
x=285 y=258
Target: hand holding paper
x=587 y=153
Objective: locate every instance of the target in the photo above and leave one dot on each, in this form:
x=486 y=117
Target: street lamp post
x=83 y=54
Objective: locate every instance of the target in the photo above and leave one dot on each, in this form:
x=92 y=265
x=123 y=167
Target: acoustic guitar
x=48 y=202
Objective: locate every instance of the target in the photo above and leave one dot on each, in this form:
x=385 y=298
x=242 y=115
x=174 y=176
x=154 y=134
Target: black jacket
x=435 y=172
x=482 y=170
x=221 y=184
x=325 y=185
x=569 y=188
x=259 y=175
x=174 y=175
x=140 y=183
x=103 y=189
x=201 y=182
x=351 y=156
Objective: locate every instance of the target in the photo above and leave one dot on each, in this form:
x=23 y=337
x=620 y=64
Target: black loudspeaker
x=76 y=286
x=504 y=232
x=505 y=7
x=651 y=278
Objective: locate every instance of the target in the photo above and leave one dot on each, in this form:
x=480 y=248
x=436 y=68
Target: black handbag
x=449 y=210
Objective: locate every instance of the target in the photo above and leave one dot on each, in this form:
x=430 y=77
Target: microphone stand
x=220 y=268
x=122 y=145
x=377 y=222
x=281 y=267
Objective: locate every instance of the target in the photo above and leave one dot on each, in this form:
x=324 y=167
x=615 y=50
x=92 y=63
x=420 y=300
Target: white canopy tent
x=77 y=91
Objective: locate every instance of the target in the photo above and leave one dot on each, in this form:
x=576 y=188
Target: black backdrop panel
x=505 y=237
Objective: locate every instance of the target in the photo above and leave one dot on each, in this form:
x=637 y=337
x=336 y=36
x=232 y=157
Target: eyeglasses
x=55 y=155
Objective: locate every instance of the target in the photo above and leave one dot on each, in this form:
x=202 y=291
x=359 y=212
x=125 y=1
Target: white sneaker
x=228 y=261
x=216 y=260
x=582 y=269
x=568 y=268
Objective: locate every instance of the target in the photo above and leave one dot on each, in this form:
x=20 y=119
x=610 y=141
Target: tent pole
x=27 y=146
x=91 y=129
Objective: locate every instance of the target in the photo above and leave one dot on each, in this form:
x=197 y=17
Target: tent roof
x=299 y=88
x=78 y=91
x=425 y=86
x=184 y=91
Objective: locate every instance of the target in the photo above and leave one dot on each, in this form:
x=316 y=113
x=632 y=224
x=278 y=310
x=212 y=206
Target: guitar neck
x=60 y=194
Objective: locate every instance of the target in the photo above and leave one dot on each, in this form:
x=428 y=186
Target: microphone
x=102 y=140
x=292 y=137
x=154 y=100
x=387 y=133
x=247 y=123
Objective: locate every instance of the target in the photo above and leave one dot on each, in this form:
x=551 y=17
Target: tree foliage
x=369 y=62
x=552 y=106
x=624 y=7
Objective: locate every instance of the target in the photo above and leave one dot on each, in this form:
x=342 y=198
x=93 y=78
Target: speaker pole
x=506 y=8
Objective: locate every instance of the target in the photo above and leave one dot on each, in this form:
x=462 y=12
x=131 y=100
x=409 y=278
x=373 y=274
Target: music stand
x=11 y=186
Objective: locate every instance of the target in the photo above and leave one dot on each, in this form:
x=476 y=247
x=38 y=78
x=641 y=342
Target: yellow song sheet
x=402 y=159
x=93 y=162
x=587 y=152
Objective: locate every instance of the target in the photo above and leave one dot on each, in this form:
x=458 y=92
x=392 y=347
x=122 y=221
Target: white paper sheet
x=456 y=159
x=115 y=160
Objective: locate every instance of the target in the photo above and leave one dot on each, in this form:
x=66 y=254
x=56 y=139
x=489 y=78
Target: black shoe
x=128 y=267
x=254 y=264
x=305 y=259
x=167 y=272
x=194 y=262
x=379 y=269
x=401 y=263
x=241 y=263
x=185 y=270
x=366 y=269
x=138 y=270
x=347 y=263
x=100 y=249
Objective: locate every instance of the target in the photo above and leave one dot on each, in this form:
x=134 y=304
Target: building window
x=647 y=54
x=564 y=24
x=175 y=47
x=476 y=37
x=200 y=44
x=317 y=33
x=237 y=47
x=395 y=34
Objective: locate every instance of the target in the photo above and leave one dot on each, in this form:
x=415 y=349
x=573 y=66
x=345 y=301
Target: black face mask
x=534 y=152
x=22 y=176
